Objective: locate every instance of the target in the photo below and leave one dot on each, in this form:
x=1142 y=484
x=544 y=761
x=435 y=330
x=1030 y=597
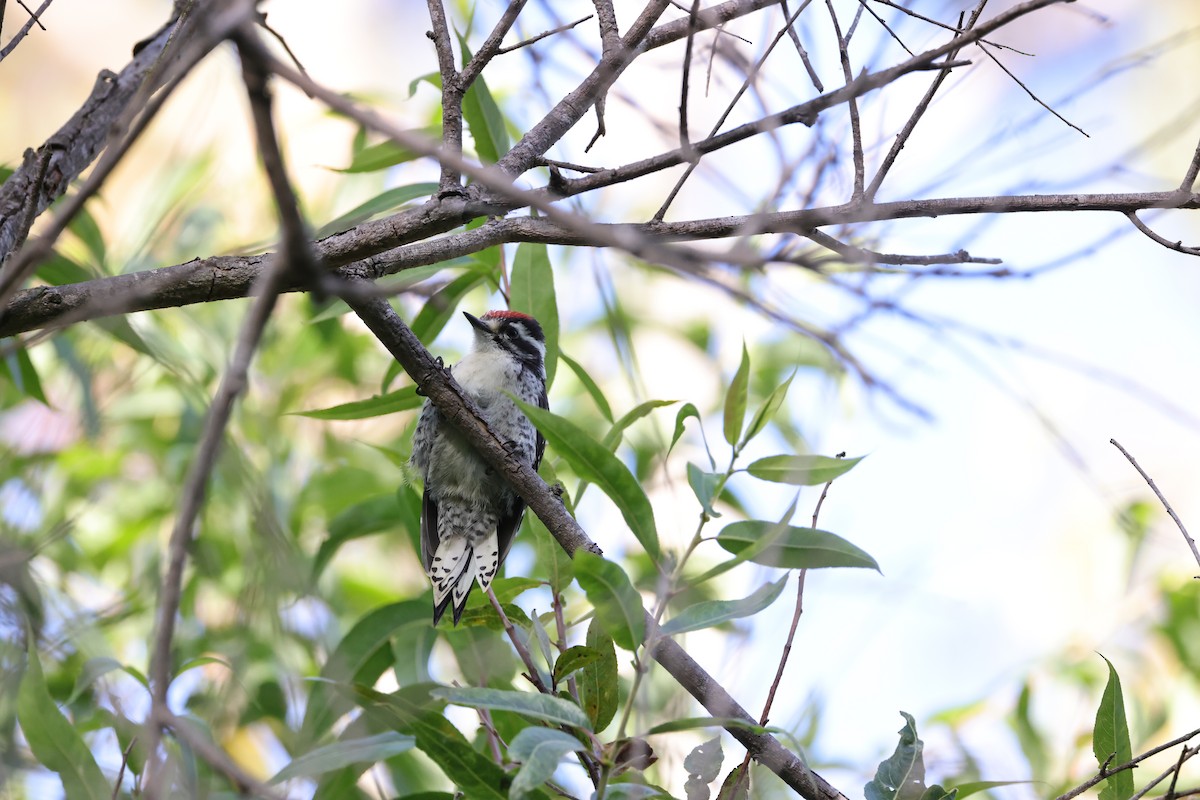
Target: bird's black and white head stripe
x=519 y=334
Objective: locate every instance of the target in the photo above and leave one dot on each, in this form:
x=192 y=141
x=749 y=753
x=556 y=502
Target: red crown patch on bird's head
x=506 y=315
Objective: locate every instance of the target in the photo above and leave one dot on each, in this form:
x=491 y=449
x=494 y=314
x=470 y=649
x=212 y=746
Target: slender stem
x=1191 y=542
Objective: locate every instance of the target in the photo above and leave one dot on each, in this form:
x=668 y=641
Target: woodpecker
x=469 y=513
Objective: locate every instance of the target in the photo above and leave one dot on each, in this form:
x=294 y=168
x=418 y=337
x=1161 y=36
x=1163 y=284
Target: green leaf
x=736 y=785
x=589 y=385
x=531 y=291
x=902 y=775
x=483 y=116
x=552 y=560
x=801 y=470
x=964 y=790
x=375 y=514
x=714 y=612
x=1110 y=739
x=366 y=750
x=597 y=681
x=361 y=656
x=736 y=398
x=201 y=661
x=613 y=437
x=53 y=740
x=776 y=545
x=531 y=704
x=573 y=659
x=385 y=201
x=400 y=400
x=692 y=723
x=20 y=370
x=440 y=308
x=85 y=228
x=595 y=464
x=58 y=270
x=689 y=410
x=618 y=605
x=96 y=668
x=540 y=750
x=705 y=485
x=1032 y=741
x=387 y=153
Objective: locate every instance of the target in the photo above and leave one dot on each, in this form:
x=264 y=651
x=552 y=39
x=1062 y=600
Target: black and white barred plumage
x=469 y=514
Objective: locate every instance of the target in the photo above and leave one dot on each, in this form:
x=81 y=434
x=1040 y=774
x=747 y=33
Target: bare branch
x=526 y=42
x=1177 y=246
x=452 y=95
x=1105 y=772
x=191 y=51
x=855 y=124
x=1191 y=542
x=34 y=19
x=228 y=277
x=800 y=51
x=1189 y=178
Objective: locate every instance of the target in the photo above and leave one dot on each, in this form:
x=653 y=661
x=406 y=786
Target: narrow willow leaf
x=595 y=464
x=439 y=309
x=597 y=681
x=964 y=790
x=1110 y=738
x=19 y=368
x=367 y=517
x=689 y=410
x=801 y=470
x=714 y=612
x=692 y=723
x=367 y=750
x=766 y=412
x=361 y=656
x=736 y=398
x=52 y=739
x=474 y=773
x=387 y=153
x=613 y=438
x=400 y=400
x=96 y=668
x=901 y=776
x=540 y=750
x=618 y=605
x=705 y=485
x=531 y=291
x=736 y=785
x=786 y=546
x=381 y=203
x=589 y=385
x=531 y=704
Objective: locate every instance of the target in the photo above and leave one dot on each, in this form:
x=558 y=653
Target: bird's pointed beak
x=477 y=323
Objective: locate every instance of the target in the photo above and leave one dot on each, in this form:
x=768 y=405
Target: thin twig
x=24 y=29
x=116 y=792
x=1029 y=91
x=193 y=50
x=533 y=676
x=233 y=382
x=919 y=111
x=1189 y=178
x=800 y=51
x=491 y=45
x=852 y=104
x=452 y=95
x=526 y=42
x=217 y=758
x=1177 y=246
x=1184 y=755
x=1191 y=542
x=1105 y=772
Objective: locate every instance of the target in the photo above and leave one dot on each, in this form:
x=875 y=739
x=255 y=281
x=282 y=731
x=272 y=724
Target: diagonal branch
x=34 y=19
x=437 y=384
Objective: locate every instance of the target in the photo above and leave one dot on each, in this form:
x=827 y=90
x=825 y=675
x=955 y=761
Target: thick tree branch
x=457 y=408
x=228 y=277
